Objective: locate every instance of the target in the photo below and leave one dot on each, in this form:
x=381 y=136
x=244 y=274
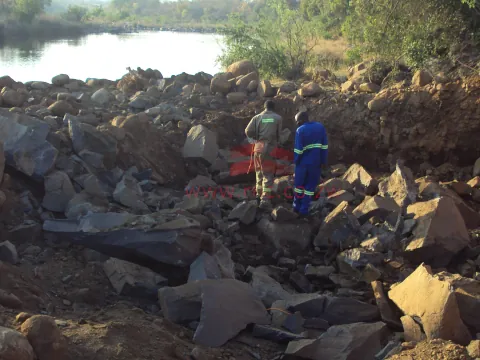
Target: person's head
x=269 y=105
x=301 y=118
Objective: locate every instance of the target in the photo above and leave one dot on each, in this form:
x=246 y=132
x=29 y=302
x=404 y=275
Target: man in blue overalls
x=311 y=151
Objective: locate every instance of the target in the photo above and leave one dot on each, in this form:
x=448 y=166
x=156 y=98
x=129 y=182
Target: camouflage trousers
x=265 y=171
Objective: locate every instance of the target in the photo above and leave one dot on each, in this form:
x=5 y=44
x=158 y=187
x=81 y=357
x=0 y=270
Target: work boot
x=258 y=201
x=265 y=205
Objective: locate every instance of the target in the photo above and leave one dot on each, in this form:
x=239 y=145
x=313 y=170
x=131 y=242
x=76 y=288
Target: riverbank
x=56 y=28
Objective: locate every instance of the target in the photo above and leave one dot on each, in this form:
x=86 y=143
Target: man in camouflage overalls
x=265 y=129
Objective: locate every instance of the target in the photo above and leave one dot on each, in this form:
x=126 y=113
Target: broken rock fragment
x=133 y=280
x=129 y=193
x=412 y=331
x=58 y=191
x=201 y=143
x=340 y=229
x=245 y=212
x=377 y=206
x=267 y=289
x=440 y=232
x=432 y=300
x=400 y=187
x=359 y=341
x=361 y=180
x=387 y=310
x=294 y=236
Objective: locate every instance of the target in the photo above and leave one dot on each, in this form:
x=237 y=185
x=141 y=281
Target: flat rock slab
x=228 y=306
x=344 y=342
x=174 y=243
x=25 y=145
x=293 y=235
x=425 y=296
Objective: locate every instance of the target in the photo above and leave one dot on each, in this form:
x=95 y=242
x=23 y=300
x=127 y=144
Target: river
x=108 y=55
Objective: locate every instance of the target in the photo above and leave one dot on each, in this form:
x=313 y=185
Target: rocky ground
x=130 y=230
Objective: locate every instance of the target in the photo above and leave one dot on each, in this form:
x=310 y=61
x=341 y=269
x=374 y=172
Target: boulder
x=8 y=253
x=237 y=98
x=361 y=180
x=61 y=107
x=173 y=243
x=246 y=212
x=432 y=300
x=133 y=280
x=319 y=272
x=266 y=288
x=102 y=97
x=429 y=190
x=348 y=86
x=58 y=191
x=311 y=89
x=476 y=168
x=282 y=214
x=293 y=236
x=245 y=80
x=378 y=103
x=96 y=148
x=332 y=186
x=344 y=342
x=181 y=304
x=440 y=232
x=61 y=80
x=142 y=101
x=388 y=312
x=355 y=262
x=287 y=87
x=412 y=331
x=242 y=67
x=342 y=310
x=228 y=307
x=25 y=145
x=265 y=89
x=6 y=81
x=83 y=203
x=368 y=88
x=220 y=84
x=276 y=335
x=46 y=339
x=12 y=98
x=467 y=293
x=129 y=193
x=201 y=143
x=39 y=85
x=400 y=187
x=14 y=346
x=474 y=349
x=2 y=162
x=204 y=267
x=379 y=207
x=422 y=78
x=475 y=182
x=252 y=86
x=339 y=197
x=340 y=229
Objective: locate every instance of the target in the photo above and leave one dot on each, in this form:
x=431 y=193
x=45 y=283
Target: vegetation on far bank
x=286 y=38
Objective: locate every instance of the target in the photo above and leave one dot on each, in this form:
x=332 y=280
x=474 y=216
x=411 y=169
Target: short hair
x=269 y=105
x=302 y=116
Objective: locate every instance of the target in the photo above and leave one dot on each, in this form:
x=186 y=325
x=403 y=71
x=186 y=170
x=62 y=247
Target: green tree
x=280 y=43
x=26 y=10
x=76 y=13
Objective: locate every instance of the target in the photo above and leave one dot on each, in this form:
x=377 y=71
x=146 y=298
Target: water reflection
x=108 y=55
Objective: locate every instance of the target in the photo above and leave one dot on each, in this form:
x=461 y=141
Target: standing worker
x=265 y=129
x=311 y=151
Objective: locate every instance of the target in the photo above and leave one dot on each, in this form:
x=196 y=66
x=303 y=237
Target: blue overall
x=311 y=151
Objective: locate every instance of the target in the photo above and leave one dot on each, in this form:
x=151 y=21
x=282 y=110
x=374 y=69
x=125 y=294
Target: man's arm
x=298 y=150
x=250 y=129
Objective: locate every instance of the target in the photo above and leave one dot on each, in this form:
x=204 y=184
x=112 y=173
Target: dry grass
x=335 y=48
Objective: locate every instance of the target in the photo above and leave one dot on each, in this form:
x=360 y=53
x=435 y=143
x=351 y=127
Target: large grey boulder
x=25 y=146
x=293 y=235
x=201 y=143
x=102 y=97
x=58 y=191
x=129 y=193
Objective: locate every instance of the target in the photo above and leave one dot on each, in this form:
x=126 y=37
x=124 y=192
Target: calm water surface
x=107 y=56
